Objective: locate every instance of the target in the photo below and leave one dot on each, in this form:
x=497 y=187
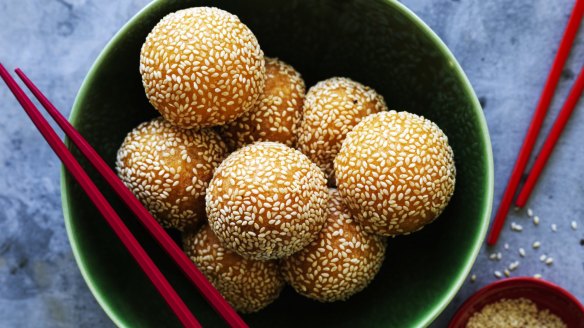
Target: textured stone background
x=505 y=47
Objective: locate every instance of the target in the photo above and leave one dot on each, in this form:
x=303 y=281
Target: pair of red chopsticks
x=138 y=253
x=535 y=126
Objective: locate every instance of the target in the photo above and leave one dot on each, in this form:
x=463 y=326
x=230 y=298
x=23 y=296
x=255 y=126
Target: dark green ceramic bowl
x=379 y=43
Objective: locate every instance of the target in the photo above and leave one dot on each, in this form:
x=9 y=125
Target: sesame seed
x=516 y=227
x=536 y=220
x=549 y=261
x=521 y=252
x=513 y=312
x=513 y=265
x=473 y=278
x=542 y=257
x=536 y=244
x=554 y=227
x=537 y=276
x=498 y=274
x=506 y=246
x=574 y=225
x=530 y=212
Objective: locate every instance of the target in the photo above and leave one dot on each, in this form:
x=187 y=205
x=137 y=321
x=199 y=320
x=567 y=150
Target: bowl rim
x=510 y=282
x=446 y=298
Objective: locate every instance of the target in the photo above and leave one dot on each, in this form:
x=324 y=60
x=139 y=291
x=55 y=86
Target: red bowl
x=543 y=293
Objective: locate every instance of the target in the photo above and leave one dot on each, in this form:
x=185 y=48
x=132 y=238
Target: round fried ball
x=277 y=115
x=331 y=109
x=267 y=201
x=341 y=262
x=248 y=285
x=395 y=172
x=168 y=169
x=202 y=67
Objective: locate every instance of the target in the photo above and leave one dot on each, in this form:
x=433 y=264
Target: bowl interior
x=379 y=43
x=544 y=294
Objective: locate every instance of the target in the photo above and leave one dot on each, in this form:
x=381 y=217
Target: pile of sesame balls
x=271 y=184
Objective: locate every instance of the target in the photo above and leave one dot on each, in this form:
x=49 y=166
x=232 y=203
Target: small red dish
x=543 y=293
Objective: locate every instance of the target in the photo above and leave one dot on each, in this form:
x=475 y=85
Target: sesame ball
x=248 y=285
x=331 y=109
x=168 y=169
x=267 y=201
x=395 y=172
x=277 y=115
x=341 y=262
x=202 y=67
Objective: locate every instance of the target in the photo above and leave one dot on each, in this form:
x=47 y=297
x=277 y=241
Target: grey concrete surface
x=505 y=47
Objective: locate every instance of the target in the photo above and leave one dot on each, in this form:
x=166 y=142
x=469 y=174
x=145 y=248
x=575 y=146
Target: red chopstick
x=537 y=120
x=551 y=139
x=144 y=261
x=213 y=297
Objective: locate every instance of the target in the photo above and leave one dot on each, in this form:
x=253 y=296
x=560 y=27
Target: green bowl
x=379 y=43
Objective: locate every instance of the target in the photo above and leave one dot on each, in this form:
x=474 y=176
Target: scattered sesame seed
x=536 y=244
x=498 y=274
x=554 y=227
x=521 y=252
x=537 y=276
x=536 y=220
x=473 y=278
x=506 y=246
x=499 y=256
x=507 y=273
x=516 y=227
x=574 y=225
x=493 y=256
x=542 y=257
x=549 y=261
x=513 y=265
x=530 y=212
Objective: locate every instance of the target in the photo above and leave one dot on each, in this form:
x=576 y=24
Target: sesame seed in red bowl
x=514 y=295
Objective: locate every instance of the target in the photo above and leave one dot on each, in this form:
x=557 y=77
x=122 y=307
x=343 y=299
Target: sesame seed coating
x=267 y=201
x=168 y=169
x=331 y=109
x=277 y=115
x=341 y=262
x=248 y=285
x=202 y=67
x=395 y=172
